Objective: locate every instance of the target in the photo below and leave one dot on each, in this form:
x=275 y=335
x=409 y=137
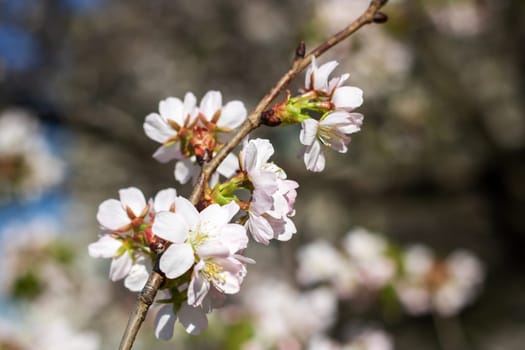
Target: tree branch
x=146 y=297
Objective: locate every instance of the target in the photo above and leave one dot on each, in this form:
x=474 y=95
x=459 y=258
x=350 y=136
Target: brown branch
x=146 y=297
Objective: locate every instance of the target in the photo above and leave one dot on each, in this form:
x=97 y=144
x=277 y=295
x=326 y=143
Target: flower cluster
x=199 y=247
x=191 y=134
x=368 y=262
x=333 y=101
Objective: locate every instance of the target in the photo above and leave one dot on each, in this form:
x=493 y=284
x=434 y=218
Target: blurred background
x=412 y=240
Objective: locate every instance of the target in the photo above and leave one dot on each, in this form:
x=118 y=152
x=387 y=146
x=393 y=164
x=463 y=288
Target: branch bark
x=156 y=278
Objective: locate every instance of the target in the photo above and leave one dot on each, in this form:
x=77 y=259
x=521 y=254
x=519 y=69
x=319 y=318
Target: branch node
x=379 y=17
x=300 y=51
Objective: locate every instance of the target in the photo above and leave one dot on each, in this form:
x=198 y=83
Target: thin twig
x=146 y=297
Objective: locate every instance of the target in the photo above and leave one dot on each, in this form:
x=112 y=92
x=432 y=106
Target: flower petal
x=190 y=106
x=256 y=153
x=111 y=215
x=165 y=322
x=138 y=276
x=184 y=170
x=212 y=218
x=193 y=319
x=164 y=154
x=211 y=103
x=349 y=97
x=314 y=158
x=198 y=287
x=172 y=108
x=164 y=200
x=170 y=226
x=229 y=166
x=234 y=236
x=133 y=198
x=188 y=211
x=105 y=247
x=157 y=129
x=260 y=229
x=233 y=114
x=321 y=75
x=308 y=131
x=120 y=267
x=177 y=259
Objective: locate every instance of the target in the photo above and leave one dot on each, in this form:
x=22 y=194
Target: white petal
x=170 y=226
x=164 y=154
x=198 y=287
x=337 y=82
x=211 y=103
x=213 y=217
x=212 y=248
x=177 y=259
x=138 y=276
x=289 y=231
x=314 y=157
x=256 y=153
x=157 y=129
x=233 y=114
x=120 y=267
x=355 y=121
x=188 y=211
x=172 y=108
x=308 y=131
x=105 y=247
x=232 y=207
x=190 y=106
x=234 y=236
x=193 y=319
x=229 y=166
x=111 y=215
x=260 y=229
x=165 y=322
x=164 y=200
x=184 y=170
x=307 y=79
x=349 y=97
x=133 y=198
x=233 y=273
x=321 y=75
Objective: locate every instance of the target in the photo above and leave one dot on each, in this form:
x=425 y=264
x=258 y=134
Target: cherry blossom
x=205 y=239
x=121 y=215
x=331 y=131
x=273 y=195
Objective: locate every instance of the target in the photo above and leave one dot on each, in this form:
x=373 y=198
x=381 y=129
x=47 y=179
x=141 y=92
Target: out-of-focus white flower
x=441 y=286
x=20 y=240
x=459 y=18
x=465 y=277
x=273 y=196
x=56 y=334
x=370 y=340
x=27 y=166
x=368 y=253
x=283 y=313
x=319 y=262
x=331 y=131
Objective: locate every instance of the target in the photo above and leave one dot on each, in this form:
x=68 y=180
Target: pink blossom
x=331 y=131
